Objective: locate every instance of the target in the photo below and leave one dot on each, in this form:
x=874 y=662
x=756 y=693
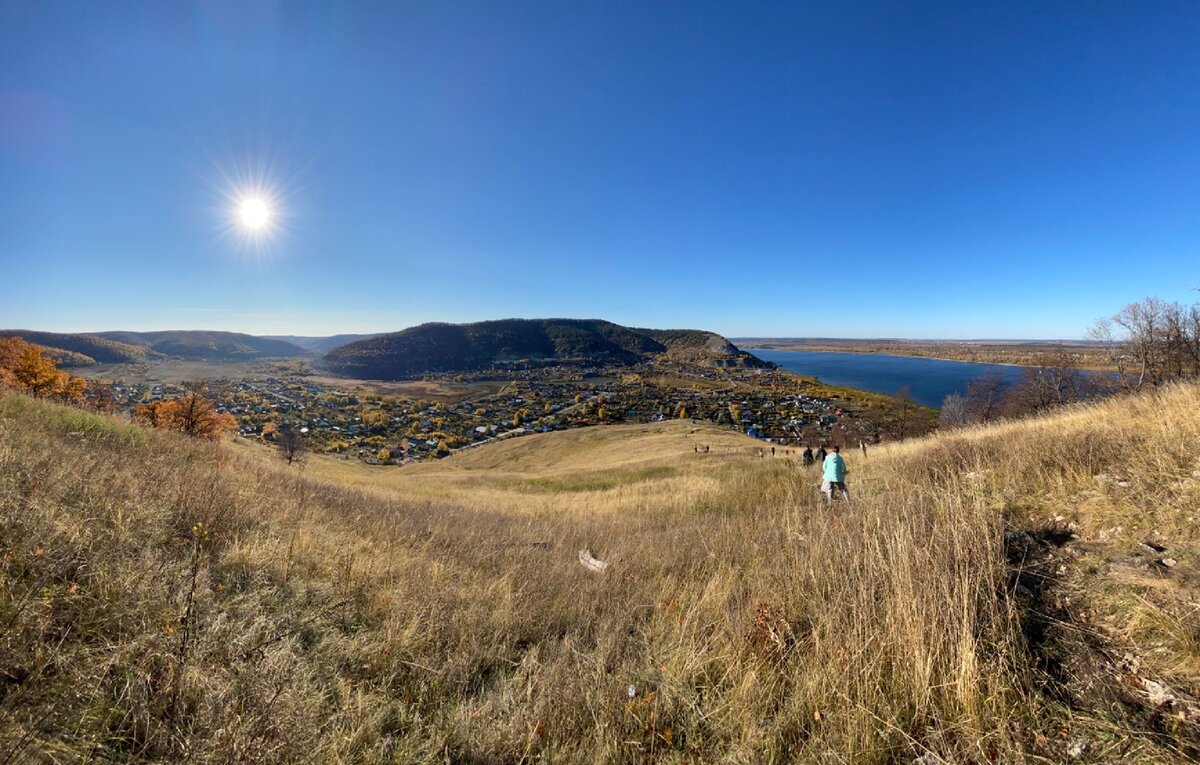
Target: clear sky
x=949 y=169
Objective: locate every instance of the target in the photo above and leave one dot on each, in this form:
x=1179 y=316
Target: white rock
x=1169 y=562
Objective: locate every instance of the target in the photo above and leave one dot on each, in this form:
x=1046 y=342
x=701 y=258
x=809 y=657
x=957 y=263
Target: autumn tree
x=191 y=414
x=27 y=368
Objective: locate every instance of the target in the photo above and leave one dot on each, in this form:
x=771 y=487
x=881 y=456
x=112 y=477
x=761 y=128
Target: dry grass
x=165 y=601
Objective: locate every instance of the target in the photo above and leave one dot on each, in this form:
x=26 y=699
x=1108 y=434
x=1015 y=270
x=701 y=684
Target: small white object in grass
x=1158 y=692
x=632 y=690
x=589 y=562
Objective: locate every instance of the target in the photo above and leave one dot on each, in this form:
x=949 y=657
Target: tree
x=1145 y=328
x=290 y=442
x=1182 y=338
x=909 y=420
x=1053 y=385
x=1151 y=341
x=191 y=414
x=954 y=411
x=26 y=367
x=985 y=395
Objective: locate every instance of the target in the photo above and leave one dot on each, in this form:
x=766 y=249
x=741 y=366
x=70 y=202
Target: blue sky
x=790 y=169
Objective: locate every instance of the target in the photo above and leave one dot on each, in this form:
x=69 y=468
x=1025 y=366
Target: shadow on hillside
x=1076 y=664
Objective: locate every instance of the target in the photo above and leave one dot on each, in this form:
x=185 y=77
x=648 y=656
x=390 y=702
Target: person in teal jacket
x=834 y=475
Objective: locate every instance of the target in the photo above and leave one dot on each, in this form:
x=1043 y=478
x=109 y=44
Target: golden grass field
x=984 y=599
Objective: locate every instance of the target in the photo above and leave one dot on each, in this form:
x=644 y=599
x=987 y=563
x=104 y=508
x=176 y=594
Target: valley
x=398 y=422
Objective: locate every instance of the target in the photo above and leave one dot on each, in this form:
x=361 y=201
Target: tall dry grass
x=164 y=601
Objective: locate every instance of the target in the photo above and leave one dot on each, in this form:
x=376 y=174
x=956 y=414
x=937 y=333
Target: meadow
x=1016 y=593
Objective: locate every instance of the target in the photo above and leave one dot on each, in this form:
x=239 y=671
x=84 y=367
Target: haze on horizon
x=931 y=170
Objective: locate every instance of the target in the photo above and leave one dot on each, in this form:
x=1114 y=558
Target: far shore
x=1084 y=357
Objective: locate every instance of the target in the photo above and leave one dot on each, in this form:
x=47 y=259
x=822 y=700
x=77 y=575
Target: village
x=350 y=419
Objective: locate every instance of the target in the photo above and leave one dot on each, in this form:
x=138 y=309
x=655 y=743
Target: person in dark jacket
x=821 y=453
x=808 y=456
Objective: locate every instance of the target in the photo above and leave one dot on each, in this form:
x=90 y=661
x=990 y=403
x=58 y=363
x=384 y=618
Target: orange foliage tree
x=23 y=366
x=191 y=413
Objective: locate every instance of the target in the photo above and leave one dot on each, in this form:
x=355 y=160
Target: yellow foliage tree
x=191 y=414
x=25 y=367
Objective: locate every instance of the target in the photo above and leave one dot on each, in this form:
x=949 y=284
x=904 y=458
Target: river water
x=929 y=380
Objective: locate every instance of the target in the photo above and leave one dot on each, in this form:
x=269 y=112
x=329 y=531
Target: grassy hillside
x=165 y=600
x=437 y=347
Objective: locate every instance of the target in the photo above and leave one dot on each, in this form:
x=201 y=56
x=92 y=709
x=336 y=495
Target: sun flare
x=254 y=214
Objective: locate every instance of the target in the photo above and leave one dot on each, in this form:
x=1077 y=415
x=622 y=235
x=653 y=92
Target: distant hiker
x=821 y=454
x=695 y=449
x=833 y=476
x=863 y=445
x=772 y=451
x=808 y=456
x=760 y=454
x=706 y=448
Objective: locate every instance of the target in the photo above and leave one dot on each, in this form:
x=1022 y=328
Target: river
x=929 y=380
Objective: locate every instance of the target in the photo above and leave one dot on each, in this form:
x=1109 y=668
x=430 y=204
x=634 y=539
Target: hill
x=125 y=347
x=207 y=345
x=1017 y=593
x=440 y=347
x=81 y=349
x=318 y=346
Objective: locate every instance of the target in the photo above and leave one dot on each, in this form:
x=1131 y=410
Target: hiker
x=772 y=451
x=833 y=476
x=863 y=445
x=808 y=456
x=821 y=455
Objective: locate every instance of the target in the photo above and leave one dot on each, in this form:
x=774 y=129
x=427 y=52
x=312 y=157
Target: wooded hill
x=438 y=347
x=122 y=347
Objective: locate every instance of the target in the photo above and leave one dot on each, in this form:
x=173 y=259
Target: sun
x=254 y=214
